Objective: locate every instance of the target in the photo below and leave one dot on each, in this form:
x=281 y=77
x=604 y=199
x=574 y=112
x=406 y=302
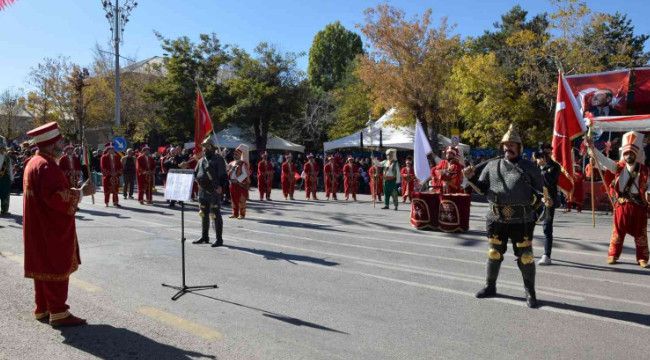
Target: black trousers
x=210 y=208
x=129 y=180
x=548 y=230
x=521 y=236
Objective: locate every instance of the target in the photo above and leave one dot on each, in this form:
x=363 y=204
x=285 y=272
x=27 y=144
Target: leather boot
x=218 y=229
x=490 y=289
x=205 y=228
x=528 y=273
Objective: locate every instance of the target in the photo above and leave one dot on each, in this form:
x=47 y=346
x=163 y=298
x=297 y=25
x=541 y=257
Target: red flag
x=568 y=126
x=4 y=3
x=202 y=121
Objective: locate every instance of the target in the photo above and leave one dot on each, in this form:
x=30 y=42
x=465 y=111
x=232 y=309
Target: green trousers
x=390 y=190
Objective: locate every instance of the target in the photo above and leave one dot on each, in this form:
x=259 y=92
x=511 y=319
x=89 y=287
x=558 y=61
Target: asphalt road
x=324 y=280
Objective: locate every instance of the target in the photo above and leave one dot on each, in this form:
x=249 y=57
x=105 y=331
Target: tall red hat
x=45 y=135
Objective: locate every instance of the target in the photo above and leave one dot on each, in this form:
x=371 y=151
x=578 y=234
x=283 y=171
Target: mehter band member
x=145 y=168
x=70 y=165
x=111 y=171
x=49 y=233
x=392 y=178
x=331 y=174
x=511 y=184
x=310 y=169
x=630 y=187
x=239 y=177
x=264 y=177
x=288 y=177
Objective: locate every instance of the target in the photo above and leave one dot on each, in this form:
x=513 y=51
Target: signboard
x=119 y=143
x=179 y=184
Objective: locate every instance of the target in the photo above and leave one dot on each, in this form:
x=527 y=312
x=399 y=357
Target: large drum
x=424 y=210
x=453 y=212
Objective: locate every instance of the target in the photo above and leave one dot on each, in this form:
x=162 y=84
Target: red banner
x=641 y=95
x=568 y=126
x=202 y=121
x=602 y=94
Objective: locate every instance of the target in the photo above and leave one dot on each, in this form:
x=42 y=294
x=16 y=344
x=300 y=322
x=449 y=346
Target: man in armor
x=630 y=188
x=210 y=174
x=512 y=186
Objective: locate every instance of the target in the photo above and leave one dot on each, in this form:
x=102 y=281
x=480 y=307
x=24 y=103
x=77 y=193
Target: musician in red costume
x=376 y=176
x=447 y=175
x=577 y=197
x=630 y=189
x=239 y=177
x=288 y=178
x=264 y=177
x=331 y=172
x=350 y=178
x=190 y=164
x=145 y=167
x=49 y=233
x=70 y=165
x=111 y=167
x=310 y=169
x=408 y=180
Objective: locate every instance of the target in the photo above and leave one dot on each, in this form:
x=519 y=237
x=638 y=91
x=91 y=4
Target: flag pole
x=90 y=174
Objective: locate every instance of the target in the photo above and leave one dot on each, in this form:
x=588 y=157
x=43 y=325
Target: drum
x=424 y=210
x=453 y=212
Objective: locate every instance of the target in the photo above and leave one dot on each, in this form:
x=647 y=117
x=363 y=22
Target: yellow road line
x=180 y=323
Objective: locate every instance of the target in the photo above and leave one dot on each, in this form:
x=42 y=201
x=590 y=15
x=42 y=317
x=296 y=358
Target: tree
x=51 y=98
x=188 y=64
x=611 y=42
x=10 y=102
x=354 y=105
x=330 y=55
x=408 y=66
x=265 y=91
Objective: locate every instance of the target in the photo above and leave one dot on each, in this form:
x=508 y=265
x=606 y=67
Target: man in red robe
x=447 y=175
x=145 y=167
x=70 y=165
x=331 y=172
x=630 y=189
x=408 y=180
x=239 y=176
x=111 y=167
x=264 y=177
x=350 y=179
x=49 y=233
x=288 y=178
x=376 y=176
x=310 y=169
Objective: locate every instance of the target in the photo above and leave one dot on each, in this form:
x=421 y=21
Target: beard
x=630 y=160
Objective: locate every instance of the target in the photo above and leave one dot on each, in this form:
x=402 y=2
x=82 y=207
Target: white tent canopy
x=232 y=136
x=391 y=137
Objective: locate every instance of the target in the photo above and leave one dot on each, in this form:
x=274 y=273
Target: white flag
x=421 y=149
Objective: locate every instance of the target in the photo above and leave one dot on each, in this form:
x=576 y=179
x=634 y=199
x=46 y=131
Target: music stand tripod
x=184 y=289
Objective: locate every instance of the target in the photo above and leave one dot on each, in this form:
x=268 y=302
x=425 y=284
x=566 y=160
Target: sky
x=31 y=30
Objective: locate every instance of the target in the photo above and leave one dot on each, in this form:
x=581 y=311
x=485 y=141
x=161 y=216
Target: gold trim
x=495 y=240
x=40 y=316
x=494 y=254
x=527 y=258
x=525 y=243
x=59 y=316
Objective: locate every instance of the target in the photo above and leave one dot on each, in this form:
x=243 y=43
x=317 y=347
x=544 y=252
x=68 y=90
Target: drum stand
x=183 y=289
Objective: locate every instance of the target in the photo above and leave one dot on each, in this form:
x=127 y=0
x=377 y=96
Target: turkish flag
x=568 y=125
x=202 y=121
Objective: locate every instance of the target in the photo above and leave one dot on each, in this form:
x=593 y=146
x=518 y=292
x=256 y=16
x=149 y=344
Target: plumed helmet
x=207 y=142
x=512 y=135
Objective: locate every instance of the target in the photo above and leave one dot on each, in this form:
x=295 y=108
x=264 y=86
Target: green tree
x=409 y=65
x=330 y=55
x=187 y=64
x=265 y=91
x=353 y=106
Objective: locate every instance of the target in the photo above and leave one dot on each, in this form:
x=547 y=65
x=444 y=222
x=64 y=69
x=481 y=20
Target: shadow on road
x=109 y=342
x=145 y=211
x=297 y=224
x=276 y=316
x=610 y=268
x=18 y=219
x=101 y=213
x=634 y=318
x=273 y=255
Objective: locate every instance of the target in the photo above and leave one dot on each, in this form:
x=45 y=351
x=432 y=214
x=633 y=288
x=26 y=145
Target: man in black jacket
x=551 y=173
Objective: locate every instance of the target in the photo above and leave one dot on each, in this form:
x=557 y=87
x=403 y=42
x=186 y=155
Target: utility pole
x=117 y=17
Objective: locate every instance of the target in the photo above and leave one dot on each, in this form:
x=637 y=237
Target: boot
x=490 y=289
x=528 y=273
x=218 y=229
x=205 y=228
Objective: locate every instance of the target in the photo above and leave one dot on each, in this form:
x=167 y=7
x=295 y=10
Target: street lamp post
x=117 y=17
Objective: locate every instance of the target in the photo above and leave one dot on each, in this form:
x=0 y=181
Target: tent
x=232 y=136
x=380 y=133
